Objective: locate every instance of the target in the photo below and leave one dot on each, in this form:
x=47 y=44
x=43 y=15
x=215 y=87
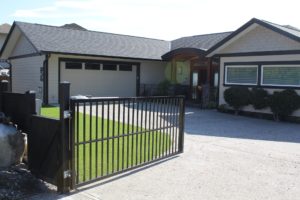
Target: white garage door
x=100 y=79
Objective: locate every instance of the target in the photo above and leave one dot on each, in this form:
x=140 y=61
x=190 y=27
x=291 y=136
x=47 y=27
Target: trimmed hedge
x=237 y=97
x=259 y=98
x=282 y=104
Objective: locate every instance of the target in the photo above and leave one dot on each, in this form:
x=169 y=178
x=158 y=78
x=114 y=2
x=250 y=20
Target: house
x=101 y=64
x=96 y=63
x=259 y=54
x=106 y=64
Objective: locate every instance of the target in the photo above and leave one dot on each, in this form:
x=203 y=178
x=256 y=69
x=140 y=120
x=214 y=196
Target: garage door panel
x=101 y=83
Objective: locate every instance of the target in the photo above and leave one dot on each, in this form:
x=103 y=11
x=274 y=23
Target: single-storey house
x=259 y=54
x=104 y=64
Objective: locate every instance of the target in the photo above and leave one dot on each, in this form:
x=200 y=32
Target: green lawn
x=103 y=158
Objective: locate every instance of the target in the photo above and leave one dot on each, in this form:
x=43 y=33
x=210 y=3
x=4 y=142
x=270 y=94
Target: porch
x=190 y=73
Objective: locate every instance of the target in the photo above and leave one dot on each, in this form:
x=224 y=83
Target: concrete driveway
x=226 y=157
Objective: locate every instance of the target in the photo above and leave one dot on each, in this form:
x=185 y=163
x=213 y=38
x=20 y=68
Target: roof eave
x=167 y=56
x=97 y=55
x=211 y=51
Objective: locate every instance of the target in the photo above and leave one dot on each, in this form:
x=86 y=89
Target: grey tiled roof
x=74 y=26
x=286 y=28
x=64 y=40
x=203 y=42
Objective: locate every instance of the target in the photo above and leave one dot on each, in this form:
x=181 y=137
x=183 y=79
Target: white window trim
x=276 y=85
x=241 y=66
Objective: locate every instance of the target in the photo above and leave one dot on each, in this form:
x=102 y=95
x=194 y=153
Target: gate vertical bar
x=72 y=144
x=181 y=123
x=64 y=178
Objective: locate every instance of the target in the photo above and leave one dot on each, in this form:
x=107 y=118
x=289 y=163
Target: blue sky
x=162 y=19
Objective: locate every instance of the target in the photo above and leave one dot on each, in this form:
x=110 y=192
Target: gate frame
x=67 y=174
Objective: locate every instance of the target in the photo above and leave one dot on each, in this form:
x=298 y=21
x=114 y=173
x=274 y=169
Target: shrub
x=163 y=87
x=259 y=98
x=284 y=103
x=222 y=108
x=237 y=97
x=211 y=105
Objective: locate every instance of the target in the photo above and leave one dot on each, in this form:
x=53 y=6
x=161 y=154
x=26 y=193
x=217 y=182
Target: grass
x=100 y=158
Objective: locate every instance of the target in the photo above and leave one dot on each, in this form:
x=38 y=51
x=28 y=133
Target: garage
x=100 y=78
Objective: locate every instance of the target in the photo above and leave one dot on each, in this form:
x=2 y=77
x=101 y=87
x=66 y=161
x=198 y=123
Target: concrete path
x=226 y=157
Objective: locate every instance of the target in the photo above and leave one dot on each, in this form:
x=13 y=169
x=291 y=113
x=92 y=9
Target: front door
x=199 y=78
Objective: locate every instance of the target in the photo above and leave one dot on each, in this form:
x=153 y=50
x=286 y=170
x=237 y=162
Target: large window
x=280 y=75
x=241 y=74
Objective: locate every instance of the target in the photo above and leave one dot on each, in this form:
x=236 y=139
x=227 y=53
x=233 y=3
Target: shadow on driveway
x=213 y=123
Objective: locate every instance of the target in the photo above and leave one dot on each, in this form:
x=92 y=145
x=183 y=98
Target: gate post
x=65 y=175
x=181 y=123
x=3 y=88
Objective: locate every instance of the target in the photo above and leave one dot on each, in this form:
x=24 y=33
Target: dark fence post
x=4 y=85
x=64 y=178
x=3 y=88
x=181 y=123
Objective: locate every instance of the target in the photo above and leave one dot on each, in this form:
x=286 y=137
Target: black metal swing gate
x=103 y=137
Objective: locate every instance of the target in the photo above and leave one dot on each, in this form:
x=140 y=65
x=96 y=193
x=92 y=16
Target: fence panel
x=19 y=107
x=43 y=151
x=115 y=135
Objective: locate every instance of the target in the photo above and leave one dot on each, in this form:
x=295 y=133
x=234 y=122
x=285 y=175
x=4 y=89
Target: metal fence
x=111 y=136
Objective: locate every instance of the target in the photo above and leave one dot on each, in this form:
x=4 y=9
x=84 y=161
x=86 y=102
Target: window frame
x=116 y=67
x=277 y=65
x=125 y=65
x=241 y=66
x=74 y=68
x=92 y=63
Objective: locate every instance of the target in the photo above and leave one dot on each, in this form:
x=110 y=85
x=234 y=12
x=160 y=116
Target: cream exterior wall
x=23 y=47
x=281 y=58
x=2 y=39
x=26 y=72
x=26 y=75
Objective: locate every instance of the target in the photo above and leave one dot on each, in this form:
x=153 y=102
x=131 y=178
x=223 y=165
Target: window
x=125 y=67
x=111 y=67
x=241 y=74
x=73 y=65
x=281 y=75
x=92 y=66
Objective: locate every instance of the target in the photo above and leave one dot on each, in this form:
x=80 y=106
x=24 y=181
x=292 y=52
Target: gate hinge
x=67 y=114
x=67 y=174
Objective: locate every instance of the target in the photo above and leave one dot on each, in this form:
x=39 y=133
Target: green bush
x=237 y=97
x=163 y=88
x=222 y=108
x=259 y=98
x=284 y=103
